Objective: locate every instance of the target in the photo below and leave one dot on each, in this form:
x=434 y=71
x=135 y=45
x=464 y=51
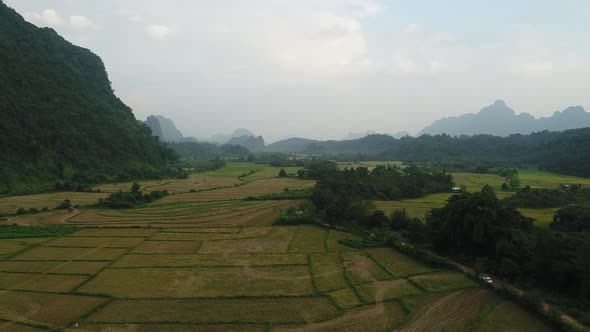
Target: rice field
x=212 y=261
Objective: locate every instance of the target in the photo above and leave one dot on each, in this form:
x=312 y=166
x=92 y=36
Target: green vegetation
x=60 y=120
x=14 y=232
x=130 y=199
x=572 y=219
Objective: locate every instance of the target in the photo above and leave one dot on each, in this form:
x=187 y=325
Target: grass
x=39 y=282
x=167 y=247
x=254 y=188
x=396 y=263
x=443 y=282
x=11 y=231
x=63 y=254
x=362 y=269
x=277 y=242
x=49 y=309
x=380 y=291
x=202 y=282
x=345 y=298
x=328 y=272
x=93 y=242
x=11 y=204
x=52 y=267
x=209 y=260
x=543 y=217
x=269 y=310
x=510 y=317
x=308 y=239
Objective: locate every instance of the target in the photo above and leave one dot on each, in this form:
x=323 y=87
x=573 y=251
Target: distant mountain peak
x=500 y=120
x=164 y=128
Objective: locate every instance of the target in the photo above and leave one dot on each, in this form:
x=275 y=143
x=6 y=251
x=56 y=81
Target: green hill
x=59 y=117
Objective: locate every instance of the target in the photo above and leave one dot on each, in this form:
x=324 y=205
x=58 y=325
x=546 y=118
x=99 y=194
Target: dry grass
x=93 y=242
x=345 y=298
x=328 y=272
x=51 y=309
x=309 y=239
x=191 y=215
x=379 y=317
x=363 y=269
x=52 y=267
x=131 y=232
x=167 y=247
x=39 y=282
x=443 y=281
x=396 y=263
x=153 y=327
x=335 y=246
x=63 y=254
x=202 y=282
x=275 y=310
x=210 y=260
x=510 y=317
x=11 y=246
x=248 y=232
x=277 y=242
x=255 y=188
x=13 y=203
x=454 y=312
x=379 y=291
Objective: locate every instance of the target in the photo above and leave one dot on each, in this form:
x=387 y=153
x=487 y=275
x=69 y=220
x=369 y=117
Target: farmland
x=211 y=260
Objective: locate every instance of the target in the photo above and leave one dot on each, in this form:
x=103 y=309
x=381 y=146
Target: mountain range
x=500 y=120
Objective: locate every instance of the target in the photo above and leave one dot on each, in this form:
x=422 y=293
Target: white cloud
x=158 y=31
x=413 y=28
x=82 y=22
x=135 y=19
x=365 y=7
x=48 y=17
x=320 y=42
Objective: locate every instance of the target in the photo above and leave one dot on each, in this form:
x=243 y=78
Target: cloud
x=82 y=22
x=48 y=16
x=320 y=42
x=158 y=31
x=135 y=19
x=413 y=28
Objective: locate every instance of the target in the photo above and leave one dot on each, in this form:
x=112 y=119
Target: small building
x=456 y=189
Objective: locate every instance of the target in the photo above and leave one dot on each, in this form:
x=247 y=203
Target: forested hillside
x=60 y=119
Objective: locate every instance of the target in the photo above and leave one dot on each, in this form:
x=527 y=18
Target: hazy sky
x=323 y=68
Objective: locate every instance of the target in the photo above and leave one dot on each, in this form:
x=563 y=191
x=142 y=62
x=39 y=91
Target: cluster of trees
x=130 y=199
x=343 y=197
x=479 y=228
x=547 y=198
x=205 y=150
x=203 y=165
x=60 y=116
x=572 y=219
x=563 y=152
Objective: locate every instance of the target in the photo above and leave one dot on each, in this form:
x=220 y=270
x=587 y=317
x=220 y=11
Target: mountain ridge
x=500 y=120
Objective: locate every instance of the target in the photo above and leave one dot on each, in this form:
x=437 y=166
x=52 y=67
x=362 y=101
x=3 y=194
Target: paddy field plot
x=213 y=261
x=254 y=188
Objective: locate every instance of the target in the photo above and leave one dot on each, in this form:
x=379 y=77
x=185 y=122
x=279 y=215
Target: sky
x=325 y=68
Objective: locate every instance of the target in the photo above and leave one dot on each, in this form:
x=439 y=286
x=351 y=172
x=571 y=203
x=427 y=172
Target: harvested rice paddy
x=210 y=260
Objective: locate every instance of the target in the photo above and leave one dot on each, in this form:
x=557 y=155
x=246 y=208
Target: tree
x=377 y=219
x=282 y=173
x=301 y=173
x=399 y=219
x=479 y=225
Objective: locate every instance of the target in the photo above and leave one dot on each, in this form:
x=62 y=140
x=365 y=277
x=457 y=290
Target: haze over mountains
x=500 y=120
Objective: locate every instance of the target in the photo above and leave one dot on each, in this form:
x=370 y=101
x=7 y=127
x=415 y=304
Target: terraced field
x=237 y=277
x=218 y=263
